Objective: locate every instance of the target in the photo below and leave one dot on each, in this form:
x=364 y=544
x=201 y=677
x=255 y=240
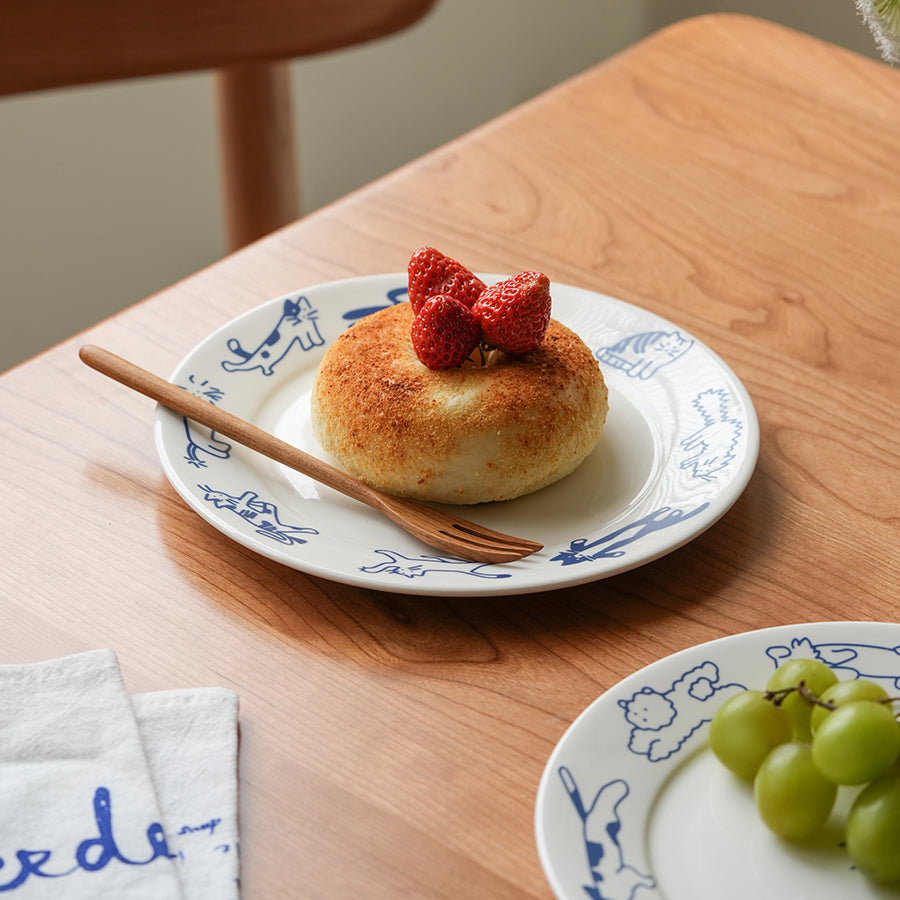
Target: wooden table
x=730 y=175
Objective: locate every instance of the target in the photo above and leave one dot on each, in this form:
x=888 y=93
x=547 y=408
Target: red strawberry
x=444 y=332
x=514 y=314
x=431 y=272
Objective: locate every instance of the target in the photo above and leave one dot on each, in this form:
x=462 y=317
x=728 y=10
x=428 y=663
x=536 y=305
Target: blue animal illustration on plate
x=394 y=296
x=662 y=720
x=613 y=545
x=203 y=442
x=296 y=326
x=643 y=355
x=712 y=446
x=870 y=661
x=611 y=878
x=260 y=513
x=419 y=566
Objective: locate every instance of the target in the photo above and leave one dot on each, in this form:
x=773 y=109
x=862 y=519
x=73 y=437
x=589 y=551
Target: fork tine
x=493 y=550
x=452 y=534
x=465 y=529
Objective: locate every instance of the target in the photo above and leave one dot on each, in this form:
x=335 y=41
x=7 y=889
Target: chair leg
x=259 y=168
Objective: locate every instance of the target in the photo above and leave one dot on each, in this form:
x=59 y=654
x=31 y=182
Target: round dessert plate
x=679 y=446
x=633 y=805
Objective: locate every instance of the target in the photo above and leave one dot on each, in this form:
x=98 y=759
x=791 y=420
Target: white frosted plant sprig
x=883 y=19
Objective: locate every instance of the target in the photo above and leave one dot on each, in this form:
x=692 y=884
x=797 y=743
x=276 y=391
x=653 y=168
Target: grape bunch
x=804 y=737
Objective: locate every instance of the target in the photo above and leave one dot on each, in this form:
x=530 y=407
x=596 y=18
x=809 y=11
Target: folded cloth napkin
x=104 y=795
x=190 y=738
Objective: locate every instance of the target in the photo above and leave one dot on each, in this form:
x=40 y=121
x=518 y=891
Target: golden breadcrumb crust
x=467 y=435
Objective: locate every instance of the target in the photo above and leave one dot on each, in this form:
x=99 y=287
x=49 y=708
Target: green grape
x=792 y=798
x=745 y=728
x=845 y=692
x=873 y=829
x=857 y=742
x=816 y=677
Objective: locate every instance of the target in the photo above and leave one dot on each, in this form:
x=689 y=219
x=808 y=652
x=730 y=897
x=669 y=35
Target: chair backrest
x=59 y=43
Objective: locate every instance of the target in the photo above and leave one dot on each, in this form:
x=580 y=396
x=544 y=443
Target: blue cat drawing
x=712 y=446
x=297 y=325
x=643 y=355
x=611 y=878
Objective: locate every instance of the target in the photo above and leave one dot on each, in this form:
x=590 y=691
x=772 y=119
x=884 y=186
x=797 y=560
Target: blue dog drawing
x=876 y=663
x=419 y=566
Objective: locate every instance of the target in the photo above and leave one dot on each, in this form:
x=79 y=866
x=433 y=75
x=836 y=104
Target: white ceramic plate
x=679 y=446
x=633 y=805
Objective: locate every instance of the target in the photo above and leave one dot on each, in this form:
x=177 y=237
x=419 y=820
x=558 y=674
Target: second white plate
x=679 y=446
x=633 y=805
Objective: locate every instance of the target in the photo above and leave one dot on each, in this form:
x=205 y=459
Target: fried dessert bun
x=473 y=434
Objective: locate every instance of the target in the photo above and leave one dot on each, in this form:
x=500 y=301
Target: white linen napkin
x=190 y=738
x=92 y=802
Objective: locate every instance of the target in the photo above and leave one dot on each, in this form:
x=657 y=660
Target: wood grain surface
x=733 y=176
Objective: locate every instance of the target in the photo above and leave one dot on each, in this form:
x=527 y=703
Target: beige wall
x=110 y=193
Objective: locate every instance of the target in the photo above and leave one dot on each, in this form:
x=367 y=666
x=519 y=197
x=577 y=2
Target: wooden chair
x=58 y=43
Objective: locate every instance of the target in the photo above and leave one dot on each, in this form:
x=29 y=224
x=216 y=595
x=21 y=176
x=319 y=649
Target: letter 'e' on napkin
x=103 y=795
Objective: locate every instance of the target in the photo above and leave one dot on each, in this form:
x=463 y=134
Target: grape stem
x=777 y=697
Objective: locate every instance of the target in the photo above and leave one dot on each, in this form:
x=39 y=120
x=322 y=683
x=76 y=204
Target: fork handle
x=226 y=423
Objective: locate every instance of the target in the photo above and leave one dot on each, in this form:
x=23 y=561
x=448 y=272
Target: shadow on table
x=697 y=589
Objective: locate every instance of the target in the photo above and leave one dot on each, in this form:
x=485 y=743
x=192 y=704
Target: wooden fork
x=441 y=530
